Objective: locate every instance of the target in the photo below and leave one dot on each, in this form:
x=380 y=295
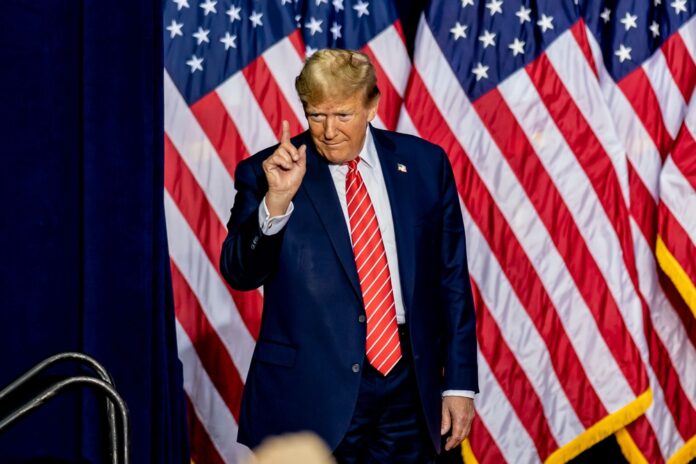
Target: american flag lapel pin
x=401 y=167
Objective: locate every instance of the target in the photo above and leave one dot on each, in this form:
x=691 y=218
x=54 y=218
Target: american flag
x=557 y=116
x=676 y=243
x=229 y=78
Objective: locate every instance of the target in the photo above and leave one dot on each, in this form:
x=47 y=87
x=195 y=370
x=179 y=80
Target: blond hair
x=336 y=73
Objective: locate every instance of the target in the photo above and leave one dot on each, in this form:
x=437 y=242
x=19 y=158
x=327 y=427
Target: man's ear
x=372 y=109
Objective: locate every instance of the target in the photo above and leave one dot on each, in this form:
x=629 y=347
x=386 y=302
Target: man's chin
x=335 y=155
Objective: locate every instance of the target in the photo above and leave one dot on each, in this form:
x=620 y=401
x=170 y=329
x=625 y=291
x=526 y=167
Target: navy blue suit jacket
x=302 y=374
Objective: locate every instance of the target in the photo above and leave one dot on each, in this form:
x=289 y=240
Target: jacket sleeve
x=455 y=290
x=248 y=256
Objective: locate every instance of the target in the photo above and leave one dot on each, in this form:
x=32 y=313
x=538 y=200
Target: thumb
x=446 y=420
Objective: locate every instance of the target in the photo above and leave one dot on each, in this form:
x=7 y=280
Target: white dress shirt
x=371 y=172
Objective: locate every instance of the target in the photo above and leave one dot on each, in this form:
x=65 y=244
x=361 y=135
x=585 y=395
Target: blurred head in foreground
x=297 y=448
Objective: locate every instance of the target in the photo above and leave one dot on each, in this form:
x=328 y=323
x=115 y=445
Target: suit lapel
x=401 y=201
x=319 y=187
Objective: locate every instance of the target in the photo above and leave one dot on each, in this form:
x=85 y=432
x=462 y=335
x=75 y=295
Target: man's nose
x=330 y=128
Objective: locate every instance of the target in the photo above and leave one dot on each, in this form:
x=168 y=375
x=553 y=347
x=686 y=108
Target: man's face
x=338 y=126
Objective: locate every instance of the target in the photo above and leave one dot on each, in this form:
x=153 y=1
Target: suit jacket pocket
x=275 y=353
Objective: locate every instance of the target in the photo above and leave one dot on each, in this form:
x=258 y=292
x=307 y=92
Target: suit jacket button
x=356 y=367
x=361 y=318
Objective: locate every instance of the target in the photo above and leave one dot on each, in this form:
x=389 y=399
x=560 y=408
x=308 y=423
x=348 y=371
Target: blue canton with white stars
x=485 y=41
x=207 y=41
x=630 y=31
x=343 y=23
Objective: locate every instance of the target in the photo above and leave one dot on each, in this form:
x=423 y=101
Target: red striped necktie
x=382 y=345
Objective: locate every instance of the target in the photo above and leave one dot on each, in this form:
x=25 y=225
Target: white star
x=517 y=47
x=458 y=31
x=181 y=4
x=336 y=30
x=283 y=2
x=195 y=63
x=480 y=71
x=314 y=25
x=523 y=14
x=629 y=21
x=229 y=41
x=466 y=3
x=495 y=6
x=678 y=5
x=487 y=39
x=309 y=51
x=297 y=20
x=545 y=23
x=624 y=53
x=655 y=29
x=319 y=2
x=361 y=8
x=255 y=19
x=175 y=29
x=208 y=7
x=338 y=5
x=201 y=35
x=658 y=2
x=233 y=13
x=606 y=15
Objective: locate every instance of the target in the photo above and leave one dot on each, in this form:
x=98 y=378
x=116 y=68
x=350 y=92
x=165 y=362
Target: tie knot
x=353 y=164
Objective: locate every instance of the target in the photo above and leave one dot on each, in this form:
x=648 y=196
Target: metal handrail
x=54 y=389
x=100 y=371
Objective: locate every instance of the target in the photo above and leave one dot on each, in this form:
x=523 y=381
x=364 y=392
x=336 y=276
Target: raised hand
x=284 y=171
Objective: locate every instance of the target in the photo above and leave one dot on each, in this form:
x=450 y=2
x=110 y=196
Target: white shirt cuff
x=464 y=393
x=272 y=225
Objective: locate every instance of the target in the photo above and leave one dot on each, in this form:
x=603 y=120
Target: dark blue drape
x=84 y=258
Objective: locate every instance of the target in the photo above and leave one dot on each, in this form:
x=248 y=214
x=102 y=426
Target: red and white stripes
x=647 y=107
x=676 y=248
x=547 y=185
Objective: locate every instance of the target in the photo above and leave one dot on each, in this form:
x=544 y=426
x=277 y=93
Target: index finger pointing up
x=285 y=132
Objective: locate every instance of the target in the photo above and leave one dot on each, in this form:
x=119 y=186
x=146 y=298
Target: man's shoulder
x=407 y=144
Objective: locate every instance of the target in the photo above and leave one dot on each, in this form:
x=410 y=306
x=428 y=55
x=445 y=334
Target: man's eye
x=344 y=116
x=316 y=117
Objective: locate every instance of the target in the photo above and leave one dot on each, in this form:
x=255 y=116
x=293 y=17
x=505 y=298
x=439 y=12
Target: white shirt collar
x=368 y=154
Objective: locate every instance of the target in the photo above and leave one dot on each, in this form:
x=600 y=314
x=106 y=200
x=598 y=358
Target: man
x=368 y=329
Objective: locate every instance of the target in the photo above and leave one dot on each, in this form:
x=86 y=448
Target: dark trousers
x=387 y=425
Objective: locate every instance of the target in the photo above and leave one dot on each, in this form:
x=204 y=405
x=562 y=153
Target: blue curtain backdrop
x=84 y=259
